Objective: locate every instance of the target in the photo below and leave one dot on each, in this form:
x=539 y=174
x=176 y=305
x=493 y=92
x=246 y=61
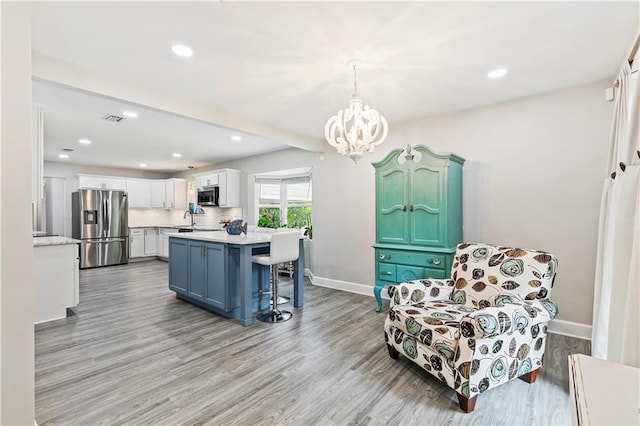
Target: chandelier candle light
x=356 y=129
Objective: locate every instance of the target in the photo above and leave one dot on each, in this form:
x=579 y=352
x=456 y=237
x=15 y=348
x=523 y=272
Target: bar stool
x=260 y=230
x=284 y=248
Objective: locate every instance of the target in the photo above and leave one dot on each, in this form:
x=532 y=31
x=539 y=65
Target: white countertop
x=223 y=237
x=176 y=227
x=157 y=226
x=53 y=241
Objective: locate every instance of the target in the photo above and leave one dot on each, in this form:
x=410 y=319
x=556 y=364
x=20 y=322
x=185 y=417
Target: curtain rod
x=632 y=55
x=634 y=50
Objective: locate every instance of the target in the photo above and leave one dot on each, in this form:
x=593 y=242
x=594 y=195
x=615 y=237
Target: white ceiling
x=285 y=63
x=152 y=138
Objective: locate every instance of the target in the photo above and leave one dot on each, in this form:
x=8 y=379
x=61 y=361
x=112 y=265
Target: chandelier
x=356 y=129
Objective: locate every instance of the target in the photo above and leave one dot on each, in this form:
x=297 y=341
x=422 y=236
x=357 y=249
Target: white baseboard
x=364 y=289
x=565 y=328
x=570 y=328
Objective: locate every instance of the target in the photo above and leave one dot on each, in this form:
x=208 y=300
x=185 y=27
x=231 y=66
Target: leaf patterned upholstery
x=430 y=322
x=420 y=291
x=486 y=275
x=485 y=326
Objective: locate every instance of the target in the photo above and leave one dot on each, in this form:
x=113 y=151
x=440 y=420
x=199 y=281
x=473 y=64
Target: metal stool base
x=274 y=316
x=283 y=299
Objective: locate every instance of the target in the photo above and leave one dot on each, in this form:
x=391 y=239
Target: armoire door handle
x=404 y=208
x=411 y=208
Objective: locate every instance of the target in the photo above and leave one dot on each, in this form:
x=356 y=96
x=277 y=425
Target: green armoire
x=418 y=215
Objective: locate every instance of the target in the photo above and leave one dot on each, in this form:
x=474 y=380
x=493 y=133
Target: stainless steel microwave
x=209 y=196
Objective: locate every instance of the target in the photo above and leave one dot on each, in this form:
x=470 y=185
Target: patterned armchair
x=484 y=326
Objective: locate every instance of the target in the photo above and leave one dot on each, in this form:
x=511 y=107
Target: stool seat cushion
x=262 y=259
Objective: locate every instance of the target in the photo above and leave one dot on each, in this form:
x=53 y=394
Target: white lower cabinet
x=56 y=280
x=145 y=242
x=163 y=242
x=150 y=241
x=136 y=242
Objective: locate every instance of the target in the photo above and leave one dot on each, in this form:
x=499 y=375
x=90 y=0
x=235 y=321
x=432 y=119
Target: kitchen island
x=213 y=270
x=55 y=277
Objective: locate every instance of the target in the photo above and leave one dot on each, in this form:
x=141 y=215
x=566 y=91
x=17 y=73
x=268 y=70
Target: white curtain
x=616 y=319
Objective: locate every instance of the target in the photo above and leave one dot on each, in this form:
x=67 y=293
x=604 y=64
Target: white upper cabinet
x=139 y=193
x=228 y=180
x=37 y=152
x=143 y=193
x=158 y=194
x=102 y=182
x=207 y=179
x=229 y=188
x=176 y=194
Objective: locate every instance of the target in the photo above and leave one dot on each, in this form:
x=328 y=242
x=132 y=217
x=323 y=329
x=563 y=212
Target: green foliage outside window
x=299 y=217
x=269 y=217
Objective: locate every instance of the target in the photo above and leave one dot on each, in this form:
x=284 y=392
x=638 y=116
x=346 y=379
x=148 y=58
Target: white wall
x=533 y=178
x=16 y=244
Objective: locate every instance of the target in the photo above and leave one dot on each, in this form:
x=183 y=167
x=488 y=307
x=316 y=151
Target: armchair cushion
x=496 y=320
x=486 y=275
x=430 y=322
x=416 y=291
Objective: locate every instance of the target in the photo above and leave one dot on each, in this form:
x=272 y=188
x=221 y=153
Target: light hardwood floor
x=134 y=354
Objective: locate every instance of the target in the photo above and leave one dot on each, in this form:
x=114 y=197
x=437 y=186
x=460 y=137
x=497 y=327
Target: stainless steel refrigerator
x=99 y=219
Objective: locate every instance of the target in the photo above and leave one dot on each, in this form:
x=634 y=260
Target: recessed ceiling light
x=182 y=50
x=236 y=138
x=497 y=73
x=130 y=114
x=177 y=155
x=63 y=155
x=143 y=164
x=84 y=141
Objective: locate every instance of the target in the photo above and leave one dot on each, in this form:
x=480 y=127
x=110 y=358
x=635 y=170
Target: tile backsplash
x=161 y=217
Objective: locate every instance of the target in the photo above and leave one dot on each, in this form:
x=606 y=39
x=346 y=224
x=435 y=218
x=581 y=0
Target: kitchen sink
x=198 y=229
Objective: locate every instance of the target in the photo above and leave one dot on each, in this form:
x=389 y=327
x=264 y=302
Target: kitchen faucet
x=193 y=221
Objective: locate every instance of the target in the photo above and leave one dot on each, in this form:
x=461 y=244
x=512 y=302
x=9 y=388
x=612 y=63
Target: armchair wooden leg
x=467 y=404
x=393 y=353
x=531 y=376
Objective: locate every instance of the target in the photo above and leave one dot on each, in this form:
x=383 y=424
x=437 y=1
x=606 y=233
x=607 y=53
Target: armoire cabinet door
x=391 y=209
x=427 y=207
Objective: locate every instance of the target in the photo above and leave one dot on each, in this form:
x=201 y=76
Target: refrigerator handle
x=108 y=214
x=105 y=216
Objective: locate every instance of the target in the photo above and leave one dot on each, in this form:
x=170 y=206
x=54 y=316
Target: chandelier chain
x=355 y=82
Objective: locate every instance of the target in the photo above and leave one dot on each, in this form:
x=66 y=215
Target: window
x=284 y=201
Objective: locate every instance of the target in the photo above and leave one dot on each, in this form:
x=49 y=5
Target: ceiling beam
x=54 y=70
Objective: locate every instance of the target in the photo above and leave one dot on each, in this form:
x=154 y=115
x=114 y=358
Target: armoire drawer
x=401 y=273
x=412 y=258
x=387 y=272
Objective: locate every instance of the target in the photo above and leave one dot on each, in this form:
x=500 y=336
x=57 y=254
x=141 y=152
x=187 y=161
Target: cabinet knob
x=387 y=273
x=436 y=261
x=382 y=257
